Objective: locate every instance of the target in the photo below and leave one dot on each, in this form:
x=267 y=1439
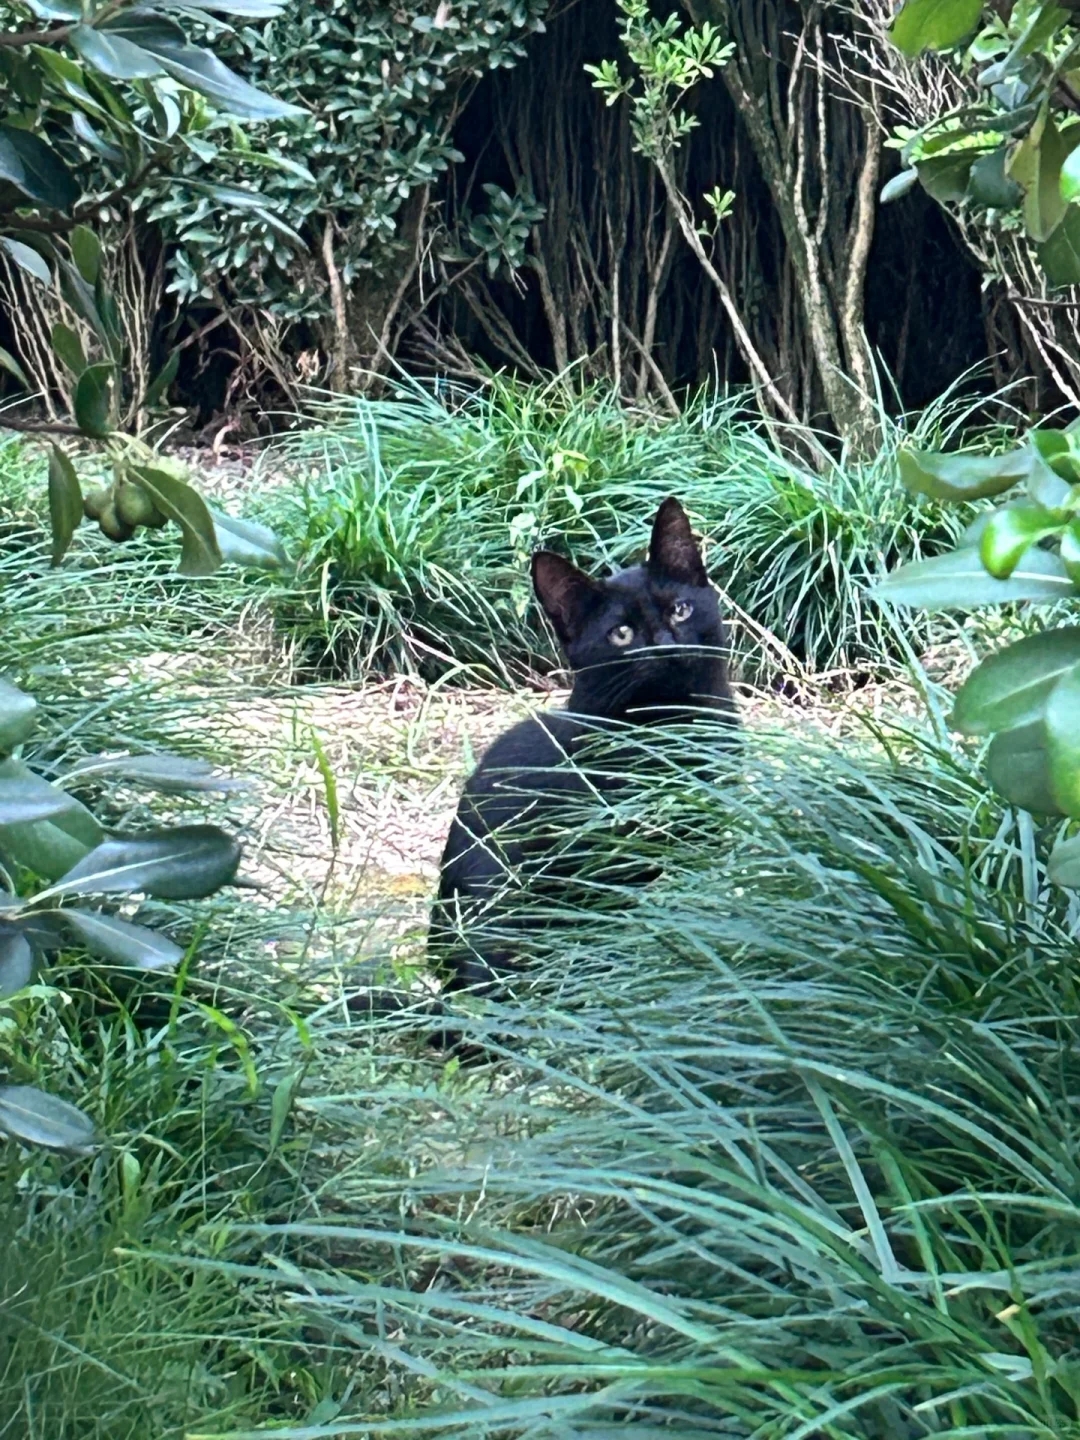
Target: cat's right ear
x=566 y=593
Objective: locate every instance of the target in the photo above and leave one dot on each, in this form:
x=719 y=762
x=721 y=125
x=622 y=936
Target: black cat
x=646 y=647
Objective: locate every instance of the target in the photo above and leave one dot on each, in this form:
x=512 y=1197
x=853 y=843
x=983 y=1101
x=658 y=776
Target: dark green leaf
x=945 y=178
x=934 y=24
x=18 y=716
x=959 y=581
x=1063 y=866
x=68 y=347
x=27 y=1113
x=12 y=366
x=244 y=543
x=80 y=297
x=1063 y=741
x=200 y=554
x=898 y=186
x=86 y=252
x=114 y=55
x=204 y=72
x=145 y=26
x=65 y=502
x=960 y=476
x=16 y=961
x=1010 y=533
x=51 y=847
x=25 y=796
x=158 y=387
x=121 y=942
x=92 y=401
x=281 y=1104
x=90 y=137
x=989 y=185
x=33 y=168
x=27 y=259
x=1012 y=686
x=1019 y=768
x=172 y=774
x=1059 y=256
x=185 y=863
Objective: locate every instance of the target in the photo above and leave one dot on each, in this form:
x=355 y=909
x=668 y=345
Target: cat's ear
x=673 y=551
x=566 y=593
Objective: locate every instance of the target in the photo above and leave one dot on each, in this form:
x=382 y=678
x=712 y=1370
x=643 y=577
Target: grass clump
x=414 y=519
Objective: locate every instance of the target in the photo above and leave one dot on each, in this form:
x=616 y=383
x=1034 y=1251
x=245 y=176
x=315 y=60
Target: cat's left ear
x=673 y=551
x=566 y=593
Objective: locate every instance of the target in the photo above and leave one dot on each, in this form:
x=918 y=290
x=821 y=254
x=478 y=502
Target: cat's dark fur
x=637 y=658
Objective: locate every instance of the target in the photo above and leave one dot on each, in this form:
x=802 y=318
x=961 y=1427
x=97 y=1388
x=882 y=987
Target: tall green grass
x=790 y=1149
x=414 y=518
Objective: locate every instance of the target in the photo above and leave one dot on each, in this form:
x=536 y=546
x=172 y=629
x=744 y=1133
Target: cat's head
x=648 y=636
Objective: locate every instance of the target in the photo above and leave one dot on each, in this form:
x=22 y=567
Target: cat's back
x=534 y=755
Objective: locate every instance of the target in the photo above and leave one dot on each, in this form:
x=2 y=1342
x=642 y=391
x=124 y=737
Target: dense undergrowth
x=414 y=519
x=784 y=1146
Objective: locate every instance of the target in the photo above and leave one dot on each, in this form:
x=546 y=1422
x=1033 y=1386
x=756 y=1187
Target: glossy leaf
x=18 y=716
x=92 y=401
x=31 y=1115
x=243 y=542
x=898 y=186
x=202 y=71
x=934 y=24
x=25 y=796
x=200 y=554
x=27 y=258
x=241 y=9
x=171 y=774
x=16 y=961
x=121 y=942
x=86 y=253
x=36 y=170
x=1063 y=741
x=184 y=863
x=989 y=185
x=958 y=581
x=1063 y=866
x=962 y=477
x=945 y=178
x=51 y=847
x=1012 y=686
x=68 y=346
x=1011 y=532
x=1018 y=765
x=65 y=502
x=114 y=55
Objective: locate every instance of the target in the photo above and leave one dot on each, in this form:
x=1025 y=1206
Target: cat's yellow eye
x=621 y=635
x=680 y=611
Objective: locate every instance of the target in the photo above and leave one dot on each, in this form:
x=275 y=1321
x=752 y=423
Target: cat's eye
x=680 y=611
x=621 y=635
